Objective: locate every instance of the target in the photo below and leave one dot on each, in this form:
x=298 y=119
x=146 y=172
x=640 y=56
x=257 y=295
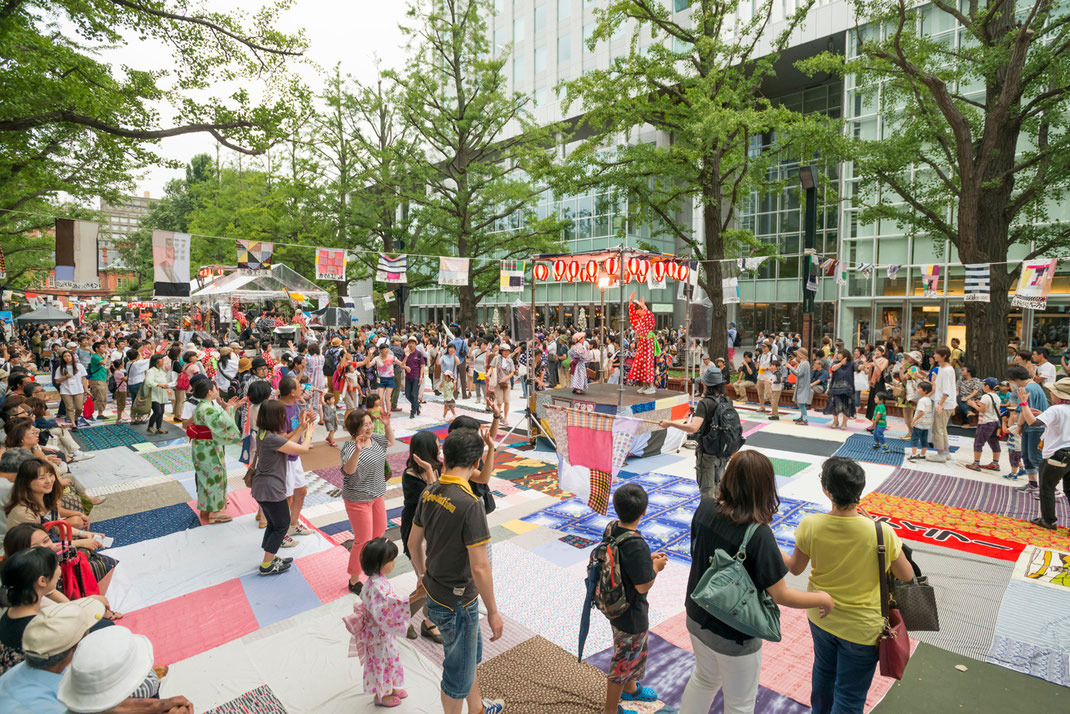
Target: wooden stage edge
x=607 y=394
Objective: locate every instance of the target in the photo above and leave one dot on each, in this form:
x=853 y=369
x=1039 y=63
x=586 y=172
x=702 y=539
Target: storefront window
x=925 y=324
x=1051 y=329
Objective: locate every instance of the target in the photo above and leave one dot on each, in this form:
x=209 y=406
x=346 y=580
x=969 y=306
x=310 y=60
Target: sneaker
x=991 y=467
x=641 y=694
x=275 y=567
x=1043 y=523
x=875 y=446
x=913 y=457
x=974 y=466
x=82 y=456
x=1028 y=487
x=298 y=530
x=493 y=706
x=885 y=449
x=1013 y=476
x=936 y=457
x=289 y=542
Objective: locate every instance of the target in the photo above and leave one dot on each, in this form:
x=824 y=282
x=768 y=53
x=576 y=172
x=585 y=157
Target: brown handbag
x=893 y=645
x=250 y=473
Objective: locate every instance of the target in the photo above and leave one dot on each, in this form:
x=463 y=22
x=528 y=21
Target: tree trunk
x=711 y=227
x=467 y=299
x=986 y=326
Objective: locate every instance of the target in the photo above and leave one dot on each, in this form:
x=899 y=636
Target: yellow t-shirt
x=843 y=561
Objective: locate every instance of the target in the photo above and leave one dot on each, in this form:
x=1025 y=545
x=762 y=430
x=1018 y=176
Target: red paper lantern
x=682 y=271
x=672 y=269
x=643 y=271
x=559 y=270
x=633 y=265
x=590 y=273
x=659 y=270
x=573 y=270
x=542 y=271
x=612 y=266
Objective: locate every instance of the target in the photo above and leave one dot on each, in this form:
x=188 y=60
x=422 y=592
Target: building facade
x=546 y=42
x=120 y=220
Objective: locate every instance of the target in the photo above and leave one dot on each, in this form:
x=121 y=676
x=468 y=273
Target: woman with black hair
x=841 y=389
x=216 y=428
x=842 y=545
x=159 y=387
x=422 y=449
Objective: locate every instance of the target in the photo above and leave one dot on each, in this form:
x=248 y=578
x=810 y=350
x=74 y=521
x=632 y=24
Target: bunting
x=811 y=278
x=389 y=297
x=170 y=264
x=978 y=282
x=754 y=263
x=729 y=290
x=255 y=256
x=828 y=266
x=866 y=269
x=841 y=272
x=453 y=271
x=1034 y=284
x=930 y=279
x=367 y=302
x=893 y=270
x=512 y=276
x=392 y=270
x=330 y=264
x=76 y=255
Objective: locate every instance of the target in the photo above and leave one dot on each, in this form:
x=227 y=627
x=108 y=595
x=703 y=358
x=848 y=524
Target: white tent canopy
x=279 y=283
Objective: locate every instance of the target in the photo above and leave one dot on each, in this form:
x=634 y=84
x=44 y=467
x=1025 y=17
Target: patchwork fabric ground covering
x=146 y=525
x=261 y=701
x=171 y=461
x=95 y=438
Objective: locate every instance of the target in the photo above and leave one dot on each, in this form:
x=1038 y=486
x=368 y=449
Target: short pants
x=629 y=657
x=295 y=476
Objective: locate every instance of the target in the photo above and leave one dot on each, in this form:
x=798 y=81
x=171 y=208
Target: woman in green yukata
x=216 y=424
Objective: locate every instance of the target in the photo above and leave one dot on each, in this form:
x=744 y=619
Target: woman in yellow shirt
x=842 y=547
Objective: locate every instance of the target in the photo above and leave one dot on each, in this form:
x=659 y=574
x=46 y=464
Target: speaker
x=700 y=320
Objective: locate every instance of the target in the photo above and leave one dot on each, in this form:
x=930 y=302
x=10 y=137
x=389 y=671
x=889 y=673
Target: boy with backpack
x=626 y=572
x=720 y=433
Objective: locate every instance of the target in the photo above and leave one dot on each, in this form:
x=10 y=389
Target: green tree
x=701 y=83
x=976 y=147
x=467 y=180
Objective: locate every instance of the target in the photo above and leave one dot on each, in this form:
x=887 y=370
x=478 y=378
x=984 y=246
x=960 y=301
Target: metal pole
x=532 y=417
x=602 y=332
x=688 y=388
x=620 y=385
x=809 y=237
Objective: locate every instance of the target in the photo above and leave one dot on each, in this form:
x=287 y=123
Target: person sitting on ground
x=44 y=422
x=819 y=375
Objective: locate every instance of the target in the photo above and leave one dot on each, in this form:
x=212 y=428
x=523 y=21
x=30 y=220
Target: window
x=540 y=98
x=499 y=39
x=518 y=29
x=588 y=32
x=499 y=5
x=540 y=59
x=680 y=5
x=564 y=48
x=540 y=18
x=518 y=70
x=564 y=9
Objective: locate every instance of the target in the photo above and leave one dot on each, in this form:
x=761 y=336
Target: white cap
x=60 y=626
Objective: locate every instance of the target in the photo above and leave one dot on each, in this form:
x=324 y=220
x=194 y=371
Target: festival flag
x=866 y=269
x=841 y=272
x=811 y=278
x=729 y=290
x=389 y=297
x=255 y=256
x=3 y=266
x=330 y=264
x=828 y=266
x=392 y=270
x=1034 y=284
x=76 y=254
x=930 y=280
x=754 y=263
x=170 y=264
x=511 y=279
x=978 y=282
x=453 y=271
x=893 y=270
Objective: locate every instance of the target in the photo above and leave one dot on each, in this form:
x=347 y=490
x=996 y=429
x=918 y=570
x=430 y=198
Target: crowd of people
x=239 y=387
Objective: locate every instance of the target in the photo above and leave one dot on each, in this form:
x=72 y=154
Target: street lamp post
x=603 y=283
x=808 y=182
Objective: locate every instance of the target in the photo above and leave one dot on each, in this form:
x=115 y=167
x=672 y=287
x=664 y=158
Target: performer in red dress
x=642 y=321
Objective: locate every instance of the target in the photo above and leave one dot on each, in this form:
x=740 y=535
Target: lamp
x=806 y=177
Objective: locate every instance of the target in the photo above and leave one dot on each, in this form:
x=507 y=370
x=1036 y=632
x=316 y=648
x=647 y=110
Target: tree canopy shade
x=700 y=83
x=975 y=148
x=467 y=179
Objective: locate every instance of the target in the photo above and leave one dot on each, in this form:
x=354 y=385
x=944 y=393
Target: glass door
x=889 y=323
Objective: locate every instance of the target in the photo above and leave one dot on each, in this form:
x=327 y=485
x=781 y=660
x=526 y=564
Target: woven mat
x=321 y=456
x=800 y=445
x=439 y=430
x=1030 y=659
x=512 y=467
x=995 y=498
x=171 y=461
x=871 y=456
x=787 y=467
x=96 y=438
x=332 y=475
x=171 y=431
x=259 y=701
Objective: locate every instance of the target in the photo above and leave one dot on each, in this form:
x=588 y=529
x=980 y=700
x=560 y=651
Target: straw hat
x=915 y=355
x=245 y=364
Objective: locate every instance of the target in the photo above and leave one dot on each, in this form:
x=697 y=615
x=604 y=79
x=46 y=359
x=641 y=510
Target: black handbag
x=916 y=601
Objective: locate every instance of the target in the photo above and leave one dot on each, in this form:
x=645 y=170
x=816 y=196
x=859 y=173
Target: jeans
x=412 y=394
x=462 y=643
x=964 y=410
x=919 y=438
x=1031 y=450
x=367 y=520
x=737 y=676
x=1050 y=476
x=802 y=412
x=277 y=514
x=842 y=673
x=878 y=436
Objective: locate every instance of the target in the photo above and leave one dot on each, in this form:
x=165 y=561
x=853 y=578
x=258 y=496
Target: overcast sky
x=351 y=33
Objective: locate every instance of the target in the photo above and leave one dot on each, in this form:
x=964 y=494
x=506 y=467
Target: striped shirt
x=369 y=482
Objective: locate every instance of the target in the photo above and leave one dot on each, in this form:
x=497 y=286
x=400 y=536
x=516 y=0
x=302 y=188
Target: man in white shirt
x=1055 y=466
x=1044 y=372
x=943 y=403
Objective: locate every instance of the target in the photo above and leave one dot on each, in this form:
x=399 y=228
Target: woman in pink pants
x=364 y=485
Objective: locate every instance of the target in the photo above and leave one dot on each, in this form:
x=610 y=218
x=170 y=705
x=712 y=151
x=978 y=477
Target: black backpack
x=610 y=596
x=721 y=433
x=330 y=361
x=739 y=338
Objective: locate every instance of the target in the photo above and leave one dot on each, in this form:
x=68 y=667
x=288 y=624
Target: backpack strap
x=741 y=554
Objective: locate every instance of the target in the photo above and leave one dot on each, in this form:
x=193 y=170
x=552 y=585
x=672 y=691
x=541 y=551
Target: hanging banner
x=978 y=282
x=511 y=279
x=866 y=269
x=753 y=263
x=1034 y=284
x=392 y=270
x=170 y=264
x=389 y=297
x=841 y=272
x=828 y=266
x=330 y=264
x=3 y=266
x=453 y=271
x=76 y=254
x=930 y=280
x=254 y=256
x=729 y=290
x=893 y=270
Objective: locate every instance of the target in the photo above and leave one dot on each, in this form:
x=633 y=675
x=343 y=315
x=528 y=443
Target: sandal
x=388 y=701
x=221 y=518
x=431 y=633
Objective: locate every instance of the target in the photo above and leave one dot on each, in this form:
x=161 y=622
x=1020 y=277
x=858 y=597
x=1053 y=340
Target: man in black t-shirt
x=748 y=376
x=638 y=568
x=457 y=572
x=708 y=468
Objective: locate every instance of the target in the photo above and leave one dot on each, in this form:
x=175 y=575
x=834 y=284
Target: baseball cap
x=990 y=382
x=59 y=627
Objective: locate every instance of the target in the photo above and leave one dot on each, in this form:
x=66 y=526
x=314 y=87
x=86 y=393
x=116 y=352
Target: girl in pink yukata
x=376 y=622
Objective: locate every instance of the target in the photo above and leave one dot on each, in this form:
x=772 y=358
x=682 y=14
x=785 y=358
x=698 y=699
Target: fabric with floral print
x=377 y=621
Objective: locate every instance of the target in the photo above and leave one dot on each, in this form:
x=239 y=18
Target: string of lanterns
x=571 y=270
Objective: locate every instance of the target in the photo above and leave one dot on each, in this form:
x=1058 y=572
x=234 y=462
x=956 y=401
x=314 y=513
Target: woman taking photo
x=423 y=450
x=364 y=483
x=215 y=424
x=841 y=546
x=158 y=385
x=269 y=480
x=71 y=379
x=725 y=658
x=841 y=389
